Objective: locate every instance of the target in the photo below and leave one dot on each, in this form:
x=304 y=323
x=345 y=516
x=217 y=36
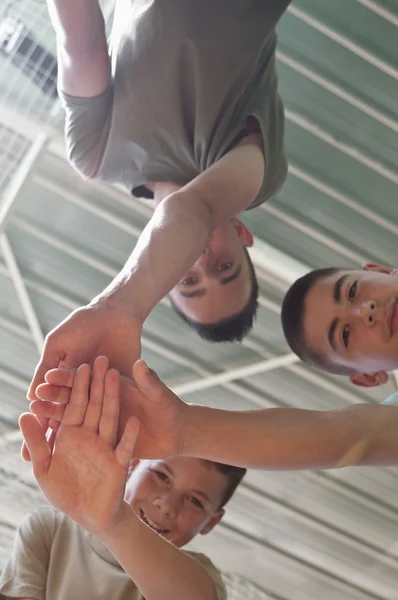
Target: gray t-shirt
x=55 y=559
x=186 y=75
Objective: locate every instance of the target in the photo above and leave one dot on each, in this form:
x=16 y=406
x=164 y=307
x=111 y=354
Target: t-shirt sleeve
x=214 y=574
x=87 y=123
x=25 y=574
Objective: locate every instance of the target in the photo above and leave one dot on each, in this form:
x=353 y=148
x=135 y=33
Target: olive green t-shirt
x=55 y=559
x=185 y=76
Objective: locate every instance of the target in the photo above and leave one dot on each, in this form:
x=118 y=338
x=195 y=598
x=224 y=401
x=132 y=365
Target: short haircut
x=293 y=315
x=233 y=328
x=234 y=476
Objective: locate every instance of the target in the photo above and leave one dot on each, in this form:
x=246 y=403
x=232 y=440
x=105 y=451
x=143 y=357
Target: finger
x=48 y=410
x=53 y=393
x=125 y=448
x=61 y=377
x=75 y=411
x=109 y=423
x=148 y=382
x=43 y=420
x=94 y=407
x=25 y=453
x=48 y=361
x=37 y=445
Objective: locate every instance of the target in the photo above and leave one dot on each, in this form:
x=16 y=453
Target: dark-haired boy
x=186 y=111
x=345 y=321
x=120 y=541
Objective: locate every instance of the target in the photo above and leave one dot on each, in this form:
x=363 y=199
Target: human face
x=178 y=498
x=218 y=285
x=351 y=318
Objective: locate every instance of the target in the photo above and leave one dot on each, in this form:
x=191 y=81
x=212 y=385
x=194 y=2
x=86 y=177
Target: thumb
x=147 y=380
x=125 y=448
x=36 y=443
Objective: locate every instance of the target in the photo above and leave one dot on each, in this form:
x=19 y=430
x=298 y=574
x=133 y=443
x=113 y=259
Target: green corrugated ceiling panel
x=355 y=21
x=329 y=59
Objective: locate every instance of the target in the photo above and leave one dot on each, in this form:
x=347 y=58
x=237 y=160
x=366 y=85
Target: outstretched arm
x=169 y=245
x=275 y=439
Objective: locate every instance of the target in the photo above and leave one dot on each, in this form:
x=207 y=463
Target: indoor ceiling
x=298 y=536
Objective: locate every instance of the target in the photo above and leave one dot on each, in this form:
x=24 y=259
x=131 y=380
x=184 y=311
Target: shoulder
x=213 y=571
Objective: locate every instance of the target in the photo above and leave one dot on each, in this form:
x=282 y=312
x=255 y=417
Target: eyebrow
x=331 y=333
x=338 y=286
x=202 y=291
x=232 y=277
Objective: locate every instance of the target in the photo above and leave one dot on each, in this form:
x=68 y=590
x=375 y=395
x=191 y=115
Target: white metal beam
x=380 y=11
x=23 y=296
x=19 y=179
x=343 y=41
x=234 y=374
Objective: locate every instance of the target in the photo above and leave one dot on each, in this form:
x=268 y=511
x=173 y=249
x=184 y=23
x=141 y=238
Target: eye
x=189 y=281
x=161 y=476
x=352 y=290
x=224 y=267
x=196 y=502
x=346 y=335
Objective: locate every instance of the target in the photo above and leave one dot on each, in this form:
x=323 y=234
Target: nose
x=366 y=311
x=166 y=504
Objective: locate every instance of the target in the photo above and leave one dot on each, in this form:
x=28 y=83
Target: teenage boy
x=277 y=438
x=118 y=540
x=186 y=111
x=345 y=321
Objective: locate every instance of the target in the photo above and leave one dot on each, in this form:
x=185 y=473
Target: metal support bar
x=19 y=179
x=246 y=371
x=23 y=296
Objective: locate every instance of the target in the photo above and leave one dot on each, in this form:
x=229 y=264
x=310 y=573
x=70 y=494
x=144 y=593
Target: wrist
x=117 y=301
x=111 y=533
x=193 y=431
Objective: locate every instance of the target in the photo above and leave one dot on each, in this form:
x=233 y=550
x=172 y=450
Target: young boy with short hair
x=345 y=321
x=119 y=540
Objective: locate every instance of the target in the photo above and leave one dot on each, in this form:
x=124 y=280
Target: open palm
x=83 y=473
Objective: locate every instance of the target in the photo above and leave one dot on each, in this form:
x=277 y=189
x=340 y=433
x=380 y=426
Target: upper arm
x=82 y=50
x=232 y=183
x=25 y=573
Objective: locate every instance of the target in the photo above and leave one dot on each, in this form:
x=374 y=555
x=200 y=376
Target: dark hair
x=233 y=328
x=293 y=313
x=234 y=476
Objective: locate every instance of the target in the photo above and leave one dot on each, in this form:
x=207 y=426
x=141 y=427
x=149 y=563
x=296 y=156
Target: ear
x=369 y=379
x=213 y=522
x=377 y=268
x=243 y=232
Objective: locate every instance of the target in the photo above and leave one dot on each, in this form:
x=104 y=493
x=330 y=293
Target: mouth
x=392 y=317
x=152 y=524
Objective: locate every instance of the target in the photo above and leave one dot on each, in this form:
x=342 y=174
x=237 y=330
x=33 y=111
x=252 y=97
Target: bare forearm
x=287 y=439
x=169 y=245
x=160 y=570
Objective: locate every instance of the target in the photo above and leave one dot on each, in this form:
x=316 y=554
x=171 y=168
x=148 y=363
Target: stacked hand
x=88 y=332
x=82 y=470
x=162 y=416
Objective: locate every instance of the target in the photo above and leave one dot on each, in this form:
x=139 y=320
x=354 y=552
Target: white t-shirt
x=55 y=559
